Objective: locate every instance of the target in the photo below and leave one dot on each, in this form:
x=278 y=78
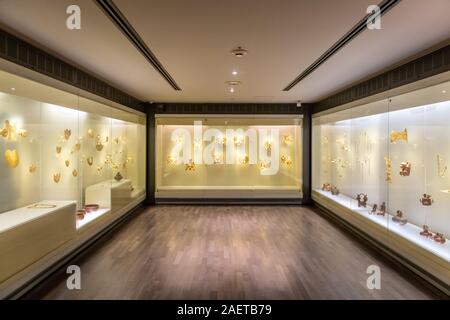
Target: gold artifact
x=77 y=146
x=67 y=134
x=426 y=200
x=42 y=206
x=264 y=165
x=288 y=139
x=67 y=163
x=388 y=163
x=190 y=166
x=90 y=133
x=116 y=140
x=58 y=149
x=399 y=136
x=118 y=176
x=90 y=160
x=8 y=131
x=286 y=160
x=99 y=146
x=23 y=133
x=32 y=168
x=171 y=160
x=106 y=139
x=442 y=169
x=405 y=169
x=74 y=172
x=244 y=159
x=268 y=145
x=99 y=169
x=56 y=177
x=12 y=158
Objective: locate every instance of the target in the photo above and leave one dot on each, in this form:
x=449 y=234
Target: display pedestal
x=431 y=256
x=28 y=234
x=109 y=194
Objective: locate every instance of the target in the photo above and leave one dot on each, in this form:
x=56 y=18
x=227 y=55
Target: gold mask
x=67 y=134
x=56 y=177
x=12 y=158
x=388 y=162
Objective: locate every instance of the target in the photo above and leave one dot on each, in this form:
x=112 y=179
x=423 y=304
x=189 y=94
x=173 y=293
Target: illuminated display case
x=232 y=156
x=67 y=162
x=384 y=167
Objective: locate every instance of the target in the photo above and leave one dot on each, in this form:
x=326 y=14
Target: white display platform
x=109 y=194
x=16 y=217
x=408 y=231
x=28 y=234
x=91 y=217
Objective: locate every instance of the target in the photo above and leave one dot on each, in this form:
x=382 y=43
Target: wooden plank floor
x=231 y=252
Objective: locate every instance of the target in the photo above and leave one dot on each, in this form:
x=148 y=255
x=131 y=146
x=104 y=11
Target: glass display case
x=383 y=166
x=245 y=156
x=67 y=162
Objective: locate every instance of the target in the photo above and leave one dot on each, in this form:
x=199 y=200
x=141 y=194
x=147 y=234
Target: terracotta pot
x=91 y=207
x=80 y=214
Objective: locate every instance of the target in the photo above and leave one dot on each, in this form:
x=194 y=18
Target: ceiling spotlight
x=13 y=89
x=444 y=91
x=231 y=89
x=239 y=52
x=234 y=73
x=299 y=103
x=232 y=83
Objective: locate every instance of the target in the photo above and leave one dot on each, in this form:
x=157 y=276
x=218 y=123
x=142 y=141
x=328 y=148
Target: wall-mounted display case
x=232 y=156
x=67 y=162
x=384 y=167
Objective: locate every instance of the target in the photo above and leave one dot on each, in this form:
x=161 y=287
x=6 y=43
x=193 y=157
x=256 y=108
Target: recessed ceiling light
x=444 y=91
x=231 y=89
x=13 y=89
x=234 y=73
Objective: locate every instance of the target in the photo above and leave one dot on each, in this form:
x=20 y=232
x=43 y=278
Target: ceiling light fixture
x=233 y=82
x=444 y=91
x=13 y=89
x=239 y=52
x=234 y=73
x=231 y=89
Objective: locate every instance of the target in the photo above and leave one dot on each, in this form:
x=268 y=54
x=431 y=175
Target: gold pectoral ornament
x=399 y=136
x=12 y=158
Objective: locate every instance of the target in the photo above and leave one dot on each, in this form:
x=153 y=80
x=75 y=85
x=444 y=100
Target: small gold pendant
x=74 y=172
x=56 y=177
x=58 y=149
x=32 y=168
x=90 y=160
x=67 y=134
x=67 y=162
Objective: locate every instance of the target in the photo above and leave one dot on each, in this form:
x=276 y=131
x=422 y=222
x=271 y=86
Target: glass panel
x=228 y=157
x=395 y=152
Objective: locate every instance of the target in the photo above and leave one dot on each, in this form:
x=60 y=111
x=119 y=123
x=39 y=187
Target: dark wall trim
x=226 y=108
x=384 y=6
x=118 y=18
x=229 y=108
x=27 y=55
x=426 y=66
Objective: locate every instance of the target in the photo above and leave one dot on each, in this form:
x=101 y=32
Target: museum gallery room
x=224 y=150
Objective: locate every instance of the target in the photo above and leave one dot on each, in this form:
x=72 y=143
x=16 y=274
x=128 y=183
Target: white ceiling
x=192 y=39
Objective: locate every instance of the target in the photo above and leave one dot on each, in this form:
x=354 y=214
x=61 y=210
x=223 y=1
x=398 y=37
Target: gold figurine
x=12 y=158
x=388 y=163
x=56 y=177
x=190 y=166
x=67 y=134
x=405 y=169
x=399 y=136
x=8 y=131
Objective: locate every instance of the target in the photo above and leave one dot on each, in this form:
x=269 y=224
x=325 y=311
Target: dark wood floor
x=231 y=252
